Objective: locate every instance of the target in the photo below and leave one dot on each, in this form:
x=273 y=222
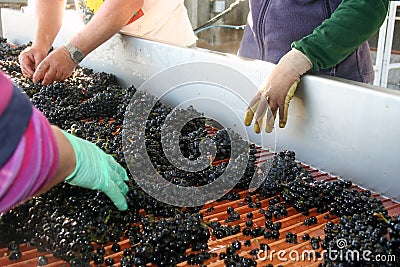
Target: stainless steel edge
x=347 y=129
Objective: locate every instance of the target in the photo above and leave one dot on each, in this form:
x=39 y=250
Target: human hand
x=30 y=58
x=57 y=66
x=277 y=91
x=98 y=171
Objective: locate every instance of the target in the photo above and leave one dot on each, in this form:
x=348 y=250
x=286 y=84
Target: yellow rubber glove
x=277 y=91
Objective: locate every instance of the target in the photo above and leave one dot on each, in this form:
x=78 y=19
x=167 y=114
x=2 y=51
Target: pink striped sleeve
x=33 y=164
x=5 y=92
x=50 y=156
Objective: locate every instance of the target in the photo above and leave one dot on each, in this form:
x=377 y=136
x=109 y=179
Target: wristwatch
x=75 y=53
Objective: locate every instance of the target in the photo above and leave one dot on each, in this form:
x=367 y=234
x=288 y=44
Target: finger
x=248 y=118
x=269 y=124
x=283 y=113
x=282 y=121
x=258 y=124
x=283 y=110
x=262 y=107
x=120 y=183
x=49 y=77
x=61 y=76
x=116 y=167
x=64 y=76
x=122 y=173
x=116 y=196
x=25 y=73
x=27 y=70
x=56 y=76
x=26 y=61
x=40 y=72
x=254 y=101
x=123 y=187
x=260 y=114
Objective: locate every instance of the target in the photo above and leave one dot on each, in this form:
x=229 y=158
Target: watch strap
x=75 y=53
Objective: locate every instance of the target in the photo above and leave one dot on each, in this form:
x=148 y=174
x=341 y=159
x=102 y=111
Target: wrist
x=298 y=61
x=42 y=42
x=41 y=48
x=75 y=53
x=73 y=143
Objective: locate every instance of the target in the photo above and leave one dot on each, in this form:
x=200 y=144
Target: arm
x=109 y=19
x=83 y=164
x=49 y=15
x=63 y=158
x=352 y=23
x=38 y=156
x=67 y=160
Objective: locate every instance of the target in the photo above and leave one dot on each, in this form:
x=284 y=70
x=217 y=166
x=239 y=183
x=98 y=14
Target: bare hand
x=57 y=66
x=30 y=58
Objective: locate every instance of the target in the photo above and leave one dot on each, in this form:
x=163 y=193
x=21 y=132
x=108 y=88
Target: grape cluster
x=8 y=57
x=232 y=258
x=165 y=242
x=279 y=172
x=66 y=220
x=363 y=235
x=162 y=140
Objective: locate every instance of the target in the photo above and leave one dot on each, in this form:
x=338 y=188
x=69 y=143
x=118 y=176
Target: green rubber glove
x=98 y=171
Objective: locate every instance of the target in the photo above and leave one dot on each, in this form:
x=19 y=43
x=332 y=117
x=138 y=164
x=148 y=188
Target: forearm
x=67 y=160
x=352 y=23
x=49 y=16
x=109 y=19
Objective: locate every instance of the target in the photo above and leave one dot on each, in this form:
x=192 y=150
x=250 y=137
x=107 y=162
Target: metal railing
x=384 y=49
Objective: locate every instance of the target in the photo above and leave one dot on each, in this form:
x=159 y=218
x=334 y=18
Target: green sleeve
x=351 y=24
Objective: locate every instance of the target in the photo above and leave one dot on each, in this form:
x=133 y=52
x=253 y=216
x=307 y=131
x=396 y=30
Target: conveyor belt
x=293 y=223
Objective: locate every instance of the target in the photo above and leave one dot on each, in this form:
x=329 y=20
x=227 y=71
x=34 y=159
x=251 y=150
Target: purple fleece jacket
x=274 y=25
